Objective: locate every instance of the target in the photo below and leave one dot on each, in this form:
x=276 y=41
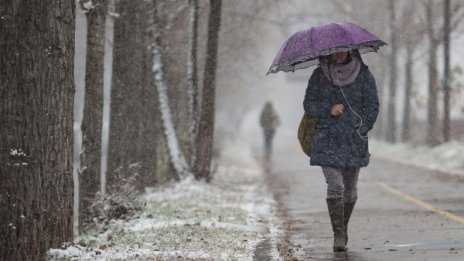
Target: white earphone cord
x=355 y=113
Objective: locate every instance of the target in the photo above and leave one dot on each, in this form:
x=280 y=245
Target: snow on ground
x=447 y=157
x=223 y=220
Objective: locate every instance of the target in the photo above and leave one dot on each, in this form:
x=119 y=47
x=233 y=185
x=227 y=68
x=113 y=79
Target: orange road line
x=417 y=201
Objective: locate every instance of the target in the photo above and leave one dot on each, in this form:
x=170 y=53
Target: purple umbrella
x=303 y=48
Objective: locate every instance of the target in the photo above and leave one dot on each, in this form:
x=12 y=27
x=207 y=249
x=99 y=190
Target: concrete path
x=403 y=213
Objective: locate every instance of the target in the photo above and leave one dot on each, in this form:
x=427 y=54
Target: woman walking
x=342 y=95
x=269 y=122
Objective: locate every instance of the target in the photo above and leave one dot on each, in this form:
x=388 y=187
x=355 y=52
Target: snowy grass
x=223 y=220
x=447 y=157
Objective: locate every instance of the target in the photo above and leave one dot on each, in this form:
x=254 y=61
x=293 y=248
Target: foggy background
x=176 y=168
x=242 y=84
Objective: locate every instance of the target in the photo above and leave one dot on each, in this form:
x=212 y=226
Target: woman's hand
x=337 y=110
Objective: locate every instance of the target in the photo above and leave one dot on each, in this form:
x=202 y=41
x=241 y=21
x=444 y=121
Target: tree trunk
x=206 y=128
x=192 y=79
x=446 y=73
x=36 y=115
x=93 y=110
x=378 y=69
x=432 y=137
x=148 y=136
x=391 y=118
x=405 y=133
x=432 y=108
x=176 y=156
x=132 y=147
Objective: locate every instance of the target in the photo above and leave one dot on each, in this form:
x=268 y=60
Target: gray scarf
x=341 y=74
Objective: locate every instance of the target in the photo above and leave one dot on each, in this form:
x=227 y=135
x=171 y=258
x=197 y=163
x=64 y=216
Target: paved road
x=403 y=213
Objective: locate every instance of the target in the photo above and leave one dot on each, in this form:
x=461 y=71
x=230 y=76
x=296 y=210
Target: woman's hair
x=352 y=53
x=324 y=59
x=355 y=53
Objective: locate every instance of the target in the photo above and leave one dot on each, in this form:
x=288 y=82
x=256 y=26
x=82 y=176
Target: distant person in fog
x=269 y=122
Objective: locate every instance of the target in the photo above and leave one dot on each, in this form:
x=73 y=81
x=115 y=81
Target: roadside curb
x=282 y=244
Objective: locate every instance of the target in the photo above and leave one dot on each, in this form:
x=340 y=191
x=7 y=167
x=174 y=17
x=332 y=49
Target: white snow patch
x=177 y=157
x=135 y=165
x=72 y=251
x=88 y=5
x=17 y=152
x=447 y=157
x=223 y=220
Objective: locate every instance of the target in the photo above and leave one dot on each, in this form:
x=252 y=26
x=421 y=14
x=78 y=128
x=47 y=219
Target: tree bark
x=406 y=131
x=411 y=35
x=382 y=79
x=176 y=156
x=132 y=145
x=446 y=73
x=93 y=110
x=173 y=16
x=36 y=115
x=192 y=79
x=202 y=167
x=432 y=107
x=391 y=117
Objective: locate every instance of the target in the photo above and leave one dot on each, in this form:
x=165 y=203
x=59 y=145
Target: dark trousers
x=268 y=137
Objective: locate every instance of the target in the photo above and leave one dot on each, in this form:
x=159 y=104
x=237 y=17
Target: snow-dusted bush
x=121 y=202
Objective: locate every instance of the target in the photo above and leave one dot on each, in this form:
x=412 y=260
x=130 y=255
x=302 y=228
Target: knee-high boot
x=348 y=209
x=336 y=213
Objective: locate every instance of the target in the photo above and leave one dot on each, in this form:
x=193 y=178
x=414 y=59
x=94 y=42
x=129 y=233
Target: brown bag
x=308 y=124
x=305 y=133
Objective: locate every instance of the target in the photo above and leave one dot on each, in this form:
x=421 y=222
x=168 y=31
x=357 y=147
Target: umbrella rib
x=345 y=33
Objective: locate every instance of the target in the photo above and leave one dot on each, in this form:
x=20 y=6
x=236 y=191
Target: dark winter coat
x=269 y=119
x=336 y=142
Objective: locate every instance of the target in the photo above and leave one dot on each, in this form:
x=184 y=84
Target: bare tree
x=176 y=155
x=432 y=107
x=36 y=90
x=206 y=128
x=409 y=64
x=93 y=107
x=391 y=117
x=192 y=79
x=446 y=72
x=132 y=145
x=244 y=30
x=411 y=35
x=238 y=36
x=172 y=18
x=173 y=21
x=434 y=29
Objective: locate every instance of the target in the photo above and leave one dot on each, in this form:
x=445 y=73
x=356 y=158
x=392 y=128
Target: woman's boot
x=348 y=209
x=336 y=213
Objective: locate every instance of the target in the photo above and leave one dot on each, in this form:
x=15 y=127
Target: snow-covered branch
x=175 y=153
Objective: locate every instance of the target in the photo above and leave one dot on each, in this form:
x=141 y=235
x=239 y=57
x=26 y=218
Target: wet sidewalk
x=403 y=213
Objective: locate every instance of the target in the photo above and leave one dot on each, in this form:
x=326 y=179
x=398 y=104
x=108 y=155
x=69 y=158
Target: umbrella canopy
x=303 y=48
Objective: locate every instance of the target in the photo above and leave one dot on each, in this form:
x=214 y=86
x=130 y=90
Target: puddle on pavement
x=434 y=245
x=320 y=249
x=421 y=246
